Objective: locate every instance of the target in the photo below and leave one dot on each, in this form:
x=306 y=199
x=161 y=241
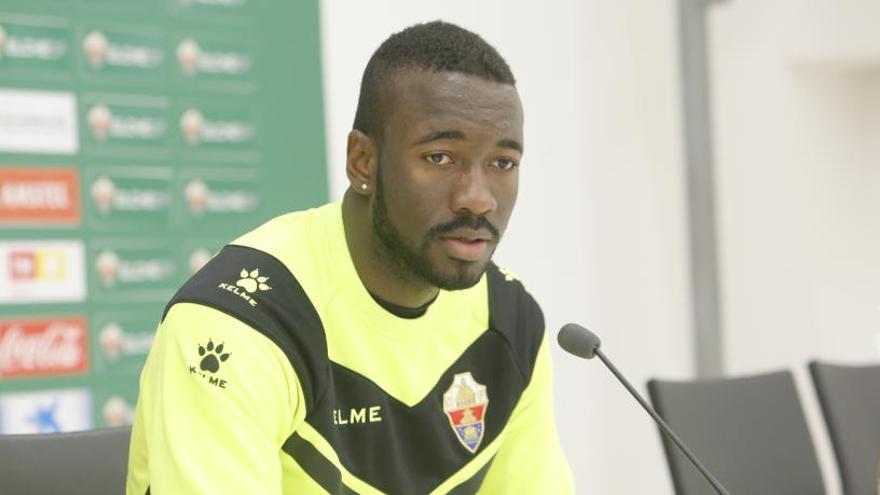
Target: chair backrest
x=750 y=433
x=850 y=399
x=86 y=462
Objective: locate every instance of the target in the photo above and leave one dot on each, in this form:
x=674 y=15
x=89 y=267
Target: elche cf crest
x=465 y=405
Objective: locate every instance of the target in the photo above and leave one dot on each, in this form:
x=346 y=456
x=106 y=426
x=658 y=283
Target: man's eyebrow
x=460 y=136
x=439 y=135
x=509 y=143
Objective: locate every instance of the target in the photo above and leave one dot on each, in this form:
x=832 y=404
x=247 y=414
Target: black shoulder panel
x=256 y=288
x=515 y=314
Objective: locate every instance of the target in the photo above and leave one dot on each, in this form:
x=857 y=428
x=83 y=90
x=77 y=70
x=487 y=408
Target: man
x=369 y=346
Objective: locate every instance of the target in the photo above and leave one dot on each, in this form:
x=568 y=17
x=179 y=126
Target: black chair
x=750 y=433
x=80 y=463
x=850 y=399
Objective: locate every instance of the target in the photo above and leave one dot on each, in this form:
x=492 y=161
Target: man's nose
x=473 y=194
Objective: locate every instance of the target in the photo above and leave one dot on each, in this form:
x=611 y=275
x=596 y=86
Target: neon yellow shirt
x=274 y=371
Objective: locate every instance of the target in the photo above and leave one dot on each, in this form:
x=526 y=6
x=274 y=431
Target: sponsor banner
x=122 y=339
x=119 y=123
x=133 y=53
x=201 y=9
x=120 y=6
x=214 y=132
x=115 y=402
x=116 y=410
x=212 y=196
x=35 y=44
x=46 y=411
x=38 y=122
x=215 y=59
x=39 y=196
x=133 y=270
x=129 y=197
x=42 y=271
x=55 y=346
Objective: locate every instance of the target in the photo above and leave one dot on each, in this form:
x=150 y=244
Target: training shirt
x=274 y=371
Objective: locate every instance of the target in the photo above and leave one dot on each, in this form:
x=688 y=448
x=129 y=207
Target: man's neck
x=381 y=276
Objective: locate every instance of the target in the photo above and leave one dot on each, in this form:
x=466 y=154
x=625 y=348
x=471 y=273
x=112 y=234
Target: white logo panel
x=42 y=272
x=46 y=411
x=38 y=122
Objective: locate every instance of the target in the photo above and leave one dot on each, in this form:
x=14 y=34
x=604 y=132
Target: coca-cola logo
x=43 y=347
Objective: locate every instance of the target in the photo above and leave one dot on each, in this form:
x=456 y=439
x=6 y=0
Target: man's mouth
x=466 y=248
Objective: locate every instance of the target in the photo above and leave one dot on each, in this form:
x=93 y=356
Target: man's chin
x=463 y=275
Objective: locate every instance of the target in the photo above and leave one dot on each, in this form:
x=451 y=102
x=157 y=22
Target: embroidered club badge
x=465 y=405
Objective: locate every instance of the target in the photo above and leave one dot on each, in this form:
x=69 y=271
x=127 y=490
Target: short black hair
x=434 y=46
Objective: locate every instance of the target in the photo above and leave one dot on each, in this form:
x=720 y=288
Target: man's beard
x=410 y=260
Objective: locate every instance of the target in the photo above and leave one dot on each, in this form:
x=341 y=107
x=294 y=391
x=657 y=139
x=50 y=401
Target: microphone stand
x=665 y=428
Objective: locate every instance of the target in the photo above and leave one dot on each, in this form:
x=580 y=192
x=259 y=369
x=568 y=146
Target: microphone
x=581 y=342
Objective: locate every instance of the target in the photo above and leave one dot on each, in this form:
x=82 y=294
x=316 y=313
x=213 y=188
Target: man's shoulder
x=259 y=277
x=508 y=292
x=290 y=230
x=244 y=282
x=516 y=315
x=251 y=280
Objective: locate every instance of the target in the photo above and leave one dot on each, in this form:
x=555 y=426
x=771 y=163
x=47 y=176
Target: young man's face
x=448 y=173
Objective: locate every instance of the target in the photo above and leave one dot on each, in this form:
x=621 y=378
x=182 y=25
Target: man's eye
x=439 y=158
x=505 y=164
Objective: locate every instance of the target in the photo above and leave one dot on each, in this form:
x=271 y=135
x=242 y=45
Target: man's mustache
x=475 y=222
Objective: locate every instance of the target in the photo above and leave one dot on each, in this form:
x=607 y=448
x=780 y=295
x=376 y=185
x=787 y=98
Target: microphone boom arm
x=665 y=428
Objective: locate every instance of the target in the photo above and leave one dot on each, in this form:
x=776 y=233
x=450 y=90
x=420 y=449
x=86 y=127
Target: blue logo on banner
x=44 y=419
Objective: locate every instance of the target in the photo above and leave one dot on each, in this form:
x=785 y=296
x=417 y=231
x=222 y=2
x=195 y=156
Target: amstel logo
x=39 y=195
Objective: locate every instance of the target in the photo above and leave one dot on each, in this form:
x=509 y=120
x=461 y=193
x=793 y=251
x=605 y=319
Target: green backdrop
x=195 y=121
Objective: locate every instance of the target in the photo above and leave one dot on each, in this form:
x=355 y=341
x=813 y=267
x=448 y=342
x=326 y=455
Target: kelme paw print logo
x=252 y=281
x=212 y=357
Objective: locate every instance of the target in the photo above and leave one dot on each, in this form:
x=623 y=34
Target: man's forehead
x=441 y=98
x=432 y=85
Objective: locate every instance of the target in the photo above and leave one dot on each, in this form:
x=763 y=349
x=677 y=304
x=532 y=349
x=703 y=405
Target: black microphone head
x=579 y=341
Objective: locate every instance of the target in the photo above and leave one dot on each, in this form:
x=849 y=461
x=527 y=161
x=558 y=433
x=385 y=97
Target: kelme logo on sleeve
x=465 y=405
x=210 y=359
x=249 y=282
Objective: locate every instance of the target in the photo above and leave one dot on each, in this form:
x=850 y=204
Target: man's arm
x=530 y=459
x=214 y=408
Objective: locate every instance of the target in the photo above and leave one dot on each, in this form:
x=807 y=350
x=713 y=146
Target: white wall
x=797 y=107
x=598 y=231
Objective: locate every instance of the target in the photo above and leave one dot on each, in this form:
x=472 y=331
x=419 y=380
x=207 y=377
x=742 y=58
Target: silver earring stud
x=364 y=186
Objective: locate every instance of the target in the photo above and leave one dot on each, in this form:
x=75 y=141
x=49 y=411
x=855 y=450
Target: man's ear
x=361 y=162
